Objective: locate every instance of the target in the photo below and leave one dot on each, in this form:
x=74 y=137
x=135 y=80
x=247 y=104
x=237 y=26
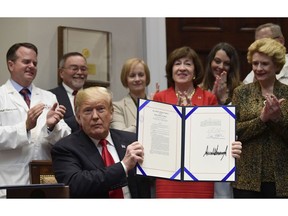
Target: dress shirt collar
x=108 y=138
x=67 y=88
x=19 y=87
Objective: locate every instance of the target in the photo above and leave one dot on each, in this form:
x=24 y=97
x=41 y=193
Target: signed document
x=186 y=143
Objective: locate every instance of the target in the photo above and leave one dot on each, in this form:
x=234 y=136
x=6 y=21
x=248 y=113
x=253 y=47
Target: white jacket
x=124 y=115
x=17 y=147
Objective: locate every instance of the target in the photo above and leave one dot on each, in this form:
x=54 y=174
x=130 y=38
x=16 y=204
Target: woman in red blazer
x=184 y=72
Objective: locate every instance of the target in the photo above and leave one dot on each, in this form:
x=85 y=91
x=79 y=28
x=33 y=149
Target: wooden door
x=202 y=34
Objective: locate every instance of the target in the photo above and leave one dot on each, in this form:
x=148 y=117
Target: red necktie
x=25 y=93
x=108 y=160
x=74 y=93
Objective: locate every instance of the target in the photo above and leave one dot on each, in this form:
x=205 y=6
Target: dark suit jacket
x=63 y=99
x=77 y=162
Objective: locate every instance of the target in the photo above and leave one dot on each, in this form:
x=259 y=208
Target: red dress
x=176 y=189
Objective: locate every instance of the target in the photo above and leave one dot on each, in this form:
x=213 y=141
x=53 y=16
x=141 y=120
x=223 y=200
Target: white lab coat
x=17 y=147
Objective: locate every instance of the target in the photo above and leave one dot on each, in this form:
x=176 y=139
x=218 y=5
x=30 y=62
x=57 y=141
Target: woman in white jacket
x=135 y=76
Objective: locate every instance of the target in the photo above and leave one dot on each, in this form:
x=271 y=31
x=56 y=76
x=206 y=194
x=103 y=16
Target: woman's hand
x=151 y=96
x=220 y=87
x=271 y=110
x=236 y=149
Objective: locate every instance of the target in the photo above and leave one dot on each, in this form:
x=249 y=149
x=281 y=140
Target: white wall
x=156 y=51
x=128 y=40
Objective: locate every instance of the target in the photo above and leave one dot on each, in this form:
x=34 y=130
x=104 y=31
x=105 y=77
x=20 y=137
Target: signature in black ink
x=216 y=152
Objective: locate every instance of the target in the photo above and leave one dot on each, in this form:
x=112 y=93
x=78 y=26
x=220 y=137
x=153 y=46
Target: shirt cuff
x=125 y=169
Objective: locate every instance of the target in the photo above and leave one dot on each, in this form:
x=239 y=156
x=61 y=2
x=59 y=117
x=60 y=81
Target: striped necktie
x=25 y=93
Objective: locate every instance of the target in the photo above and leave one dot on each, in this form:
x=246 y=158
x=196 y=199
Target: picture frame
x=94 y=45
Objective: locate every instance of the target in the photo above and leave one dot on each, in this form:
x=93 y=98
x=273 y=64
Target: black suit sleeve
x=72 y=123
x=77 y=163
x=139 y=186
x=63 y=99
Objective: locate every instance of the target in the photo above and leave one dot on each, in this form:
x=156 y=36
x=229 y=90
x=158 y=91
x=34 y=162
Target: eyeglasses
x=76 y=68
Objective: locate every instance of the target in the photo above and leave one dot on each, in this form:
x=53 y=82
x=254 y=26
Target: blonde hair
x=93 y=94
x=269 y=47
x=127 y=67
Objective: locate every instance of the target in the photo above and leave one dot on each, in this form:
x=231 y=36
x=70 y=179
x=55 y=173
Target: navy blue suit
x=63 y=99
x=77 y=162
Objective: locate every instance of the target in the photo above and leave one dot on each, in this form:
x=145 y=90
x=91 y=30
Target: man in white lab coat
x=27 y=130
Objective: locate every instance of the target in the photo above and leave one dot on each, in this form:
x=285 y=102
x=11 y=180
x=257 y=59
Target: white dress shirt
x=112 y=150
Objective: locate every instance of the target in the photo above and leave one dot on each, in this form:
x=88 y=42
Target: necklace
x=184 y=99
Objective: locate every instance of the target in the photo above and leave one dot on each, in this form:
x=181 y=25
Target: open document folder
x=186 y=143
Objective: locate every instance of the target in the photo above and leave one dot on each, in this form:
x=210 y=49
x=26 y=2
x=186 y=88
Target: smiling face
x=183 y=71
x=24 y=69
x=136 y=79
x=263 y=67
x=74 y=72
x=220 y=63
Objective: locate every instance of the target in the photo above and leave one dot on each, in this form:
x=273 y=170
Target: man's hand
x=54 y=115
x=32 y=116
x=134 y=154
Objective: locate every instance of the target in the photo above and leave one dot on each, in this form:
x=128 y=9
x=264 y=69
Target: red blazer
x=176 y=189
x=200 y=97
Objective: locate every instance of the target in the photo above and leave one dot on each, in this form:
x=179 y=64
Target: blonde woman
x=262 y=124
x=135 y=76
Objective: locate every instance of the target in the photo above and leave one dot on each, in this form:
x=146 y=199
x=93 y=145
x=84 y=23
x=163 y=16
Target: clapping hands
x=220 y=87
x=151 y=96
x=54 y=115
x=271 y=110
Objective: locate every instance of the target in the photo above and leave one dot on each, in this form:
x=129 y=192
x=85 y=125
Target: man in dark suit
x=73 y=71
x=77 y=159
